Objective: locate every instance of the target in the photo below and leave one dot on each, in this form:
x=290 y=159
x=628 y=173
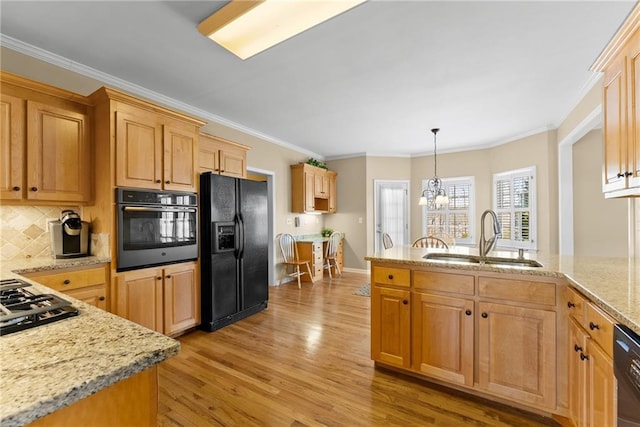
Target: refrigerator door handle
x=240 y=236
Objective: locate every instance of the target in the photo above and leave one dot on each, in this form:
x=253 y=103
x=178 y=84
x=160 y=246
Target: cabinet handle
x=620 y=175
x=66 y=281
x=468 y=312
x=584 y=356
x=390 y=277
x=628 y=173
x=405 y=302
x=34 y=188
x=577 y=348
x=16 y=188
x=101 y=298
x=484 y=315
x=593 y=326
x=570 y=304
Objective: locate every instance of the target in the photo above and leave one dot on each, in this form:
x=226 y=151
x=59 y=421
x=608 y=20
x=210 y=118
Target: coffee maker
x=69 y=236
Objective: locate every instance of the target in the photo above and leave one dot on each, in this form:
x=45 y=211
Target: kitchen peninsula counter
x=611 y=283
x=50 y=367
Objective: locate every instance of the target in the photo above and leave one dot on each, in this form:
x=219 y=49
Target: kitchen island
x=94 y=357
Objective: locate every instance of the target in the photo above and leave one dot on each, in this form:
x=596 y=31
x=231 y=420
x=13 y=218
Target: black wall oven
x=155 y=228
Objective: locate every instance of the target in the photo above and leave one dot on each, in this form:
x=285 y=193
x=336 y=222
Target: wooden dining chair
x=430 y=242
x=331 y=255
x=290 y=258
x=386 y=241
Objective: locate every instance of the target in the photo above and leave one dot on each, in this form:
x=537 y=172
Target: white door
x=391 y=212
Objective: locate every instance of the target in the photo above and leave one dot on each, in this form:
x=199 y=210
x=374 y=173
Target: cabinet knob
x=16 y=188
x=468 y=312
x=167 y=182
x=158 y=278
x=390 y=277
x=570 y=304
x=593 y=326
x=405 y=302
x=158 y=181
x=584 y=356
x=66 y=281
x=628 y=173
x=168 y=276
x=620 y=175
x=34 y=188
x=577 y=348
x=484 y=315
x=101 y=298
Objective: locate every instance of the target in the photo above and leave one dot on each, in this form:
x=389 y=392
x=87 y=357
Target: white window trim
x=532 y=245
x=470 y=241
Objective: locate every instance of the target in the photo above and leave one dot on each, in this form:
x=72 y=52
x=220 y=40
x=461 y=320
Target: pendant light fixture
x=434 y=193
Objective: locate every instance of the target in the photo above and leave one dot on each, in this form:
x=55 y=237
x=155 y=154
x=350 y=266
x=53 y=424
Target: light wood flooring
x=305 y=362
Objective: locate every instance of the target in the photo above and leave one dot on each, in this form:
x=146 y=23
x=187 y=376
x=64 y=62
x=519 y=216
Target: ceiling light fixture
x=247 y=27
x=434 y=193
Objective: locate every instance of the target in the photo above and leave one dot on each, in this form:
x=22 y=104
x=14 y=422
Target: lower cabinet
x=88 y=284
x=491 y=333
x=165 y=299
x=592 y=387
x=311 y=252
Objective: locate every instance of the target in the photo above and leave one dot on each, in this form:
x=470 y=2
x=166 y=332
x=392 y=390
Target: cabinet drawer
x=517 y=290
x=600 y=327
x=575 y=305
x=392 y=276
x=71 y=279
x=443 y=282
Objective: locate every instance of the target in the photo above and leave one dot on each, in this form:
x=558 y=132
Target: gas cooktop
x=22 y=308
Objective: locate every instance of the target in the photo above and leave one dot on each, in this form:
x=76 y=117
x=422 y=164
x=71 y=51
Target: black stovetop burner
x=21 y=308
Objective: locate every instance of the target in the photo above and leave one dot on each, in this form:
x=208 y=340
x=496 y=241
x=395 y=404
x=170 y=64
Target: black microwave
x=155 y=228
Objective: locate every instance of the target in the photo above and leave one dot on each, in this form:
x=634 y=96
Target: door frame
x=377 y=183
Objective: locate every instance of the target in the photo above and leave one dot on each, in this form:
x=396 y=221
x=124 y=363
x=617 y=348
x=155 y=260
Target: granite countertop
x=611 y=283
x=48 y=367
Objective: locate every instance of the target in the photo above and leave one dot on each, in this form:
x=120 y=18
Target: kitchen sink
x=475 y=259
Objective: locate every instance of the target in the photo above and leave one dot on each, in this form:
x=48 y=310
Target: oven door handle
x=150 y=209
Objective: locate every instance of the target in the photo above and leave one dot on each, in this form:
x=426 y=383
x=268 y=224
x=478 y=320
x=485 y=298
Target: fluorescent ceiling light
x=247 y=27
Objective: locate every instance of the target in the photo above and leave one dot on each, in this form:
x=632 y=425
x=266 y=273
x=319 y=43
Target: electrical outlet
x=288 y=220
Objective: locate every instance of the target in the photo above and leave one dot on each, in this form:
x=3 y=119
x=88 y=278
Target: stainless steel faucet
x=485 y=246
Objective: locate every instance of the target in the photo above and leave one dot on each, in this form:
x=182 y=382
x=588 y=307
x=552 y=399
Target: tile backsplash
x=23 y=230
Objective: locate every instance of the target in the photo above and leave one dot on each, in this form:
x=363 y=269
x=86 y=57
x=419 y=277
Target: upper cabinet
x=620 y=63
x=45 y=143
x=153 y=151
x=313 y=189
x=222 y=157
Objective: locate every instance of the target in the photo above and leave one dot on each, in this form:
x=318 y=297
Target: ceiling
x=373 y=80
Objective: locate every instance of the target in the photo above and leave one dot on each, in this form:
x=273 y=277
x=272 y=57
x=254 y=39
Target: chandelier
x=434 y=194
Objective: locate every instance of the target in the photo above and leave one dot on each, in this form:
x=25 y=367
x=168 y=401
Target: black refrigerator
x=234 y=249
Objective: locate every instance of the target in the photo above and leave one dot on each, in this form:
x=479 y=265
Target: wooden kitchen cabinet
x=45 y=143
x=88 y=284
x=391 y=316
x=620 y=62
x=312 y=252
x=166 y=300
x=311 y=189
x=154 y=152
x=592 y=387
x=220 y=156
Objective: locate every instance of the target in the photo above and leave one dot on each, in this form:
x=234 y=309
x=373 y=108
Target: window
x=456 y=218
x=514 y=201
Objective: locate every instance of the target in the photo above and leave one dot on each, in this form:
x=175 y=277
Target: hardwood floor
x=305 y=362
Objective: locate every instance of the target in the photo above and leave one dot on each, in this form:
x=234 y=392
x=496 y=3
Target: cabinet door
x=309 y=200
x=320 y=185
x=614 y=127
x=333 y=192
x=578 y=385
x=180 y=147
x=442 y=344
x=181 y=298
x=517 y=353
x=390 y=326
x=633 y=93
x=209 y=155
x=57 y=154
x=138 y=150
x=601 y=388
x=233 y=163
x=94 y=295
x=12 y=144
x=139 y=297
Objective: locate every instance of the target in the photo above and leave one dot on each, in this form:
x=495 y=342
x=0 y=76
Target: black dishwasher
x=626 y=363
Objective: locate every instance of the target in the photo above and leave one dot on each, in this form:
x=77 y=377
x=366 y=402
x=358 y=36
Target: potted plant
x=326 y=232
